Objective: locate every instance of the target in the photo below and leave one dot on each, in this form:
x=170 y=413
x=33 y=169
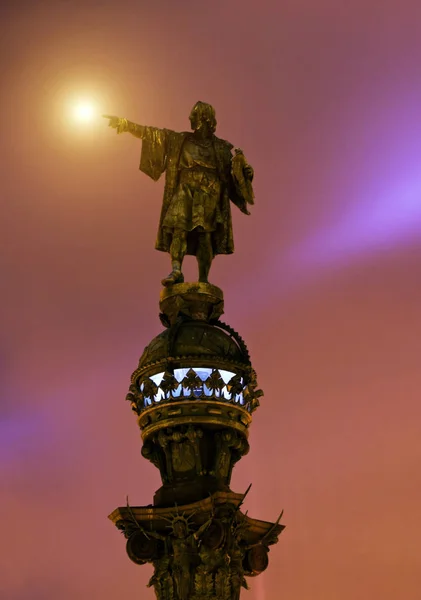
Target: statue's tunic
x=198 y=187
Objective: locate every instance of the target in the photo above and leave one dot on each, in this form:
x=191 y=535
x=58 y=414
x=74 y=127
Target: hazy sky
x=324 y=96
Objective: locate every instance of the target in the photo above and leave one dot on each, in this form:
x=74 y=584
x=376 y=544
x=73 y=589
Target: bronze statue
x=201 y=177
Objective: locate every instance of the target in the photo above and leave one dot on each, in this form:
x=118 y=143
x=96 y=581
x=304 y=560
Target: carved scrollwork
x=192 y=384
x=256 y=560
x=235 y=386
x=195 y=383
x=133 y=402
x=181 y=450
x=149 y=388
x=251 y=394
x=199 y=554
x=141 y=548
x=169 y=385
x=215 y=383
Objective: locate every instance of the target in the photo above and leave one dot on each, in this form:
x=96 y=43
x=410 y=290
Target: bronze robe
x=161 y=150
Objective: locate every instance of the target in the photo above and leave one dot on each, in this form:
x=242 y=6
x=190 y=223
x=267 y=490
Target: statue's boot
x=204 y=268
x=204 y=257
x=176 y=276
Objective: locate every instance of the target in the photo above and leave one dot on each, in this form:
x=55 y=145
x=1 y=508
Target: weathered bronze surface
x=201 y=177
x=194 y=391
x=200 y=301
x=199 y=551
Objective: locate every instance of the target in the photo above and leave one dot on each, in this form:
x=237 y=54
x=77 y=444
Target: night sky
x=324 y=96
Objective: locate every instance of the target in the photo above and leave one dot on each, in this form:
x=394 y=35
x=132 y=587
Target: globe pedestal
x=199 y=301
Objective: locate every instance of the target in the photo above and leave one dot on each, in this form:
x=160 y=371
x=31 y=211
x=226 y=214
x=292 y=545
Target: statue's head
x=202 y=114
x=180 y=529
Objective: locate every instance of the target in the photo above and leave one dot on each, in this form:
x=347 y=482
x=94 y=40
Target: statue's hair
x=205 y=112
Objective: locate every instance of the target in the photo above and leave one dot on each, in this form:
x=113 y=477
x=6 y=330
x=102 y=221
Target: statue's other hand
x=116 y=123
x=249 y=172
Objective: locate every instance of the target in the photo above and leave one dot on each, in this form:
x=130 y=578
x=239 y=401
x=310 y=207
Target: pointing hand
x=118 y=123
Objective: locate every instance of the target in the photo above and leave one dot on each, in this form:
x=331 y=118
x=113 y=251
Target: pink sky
x=325 y=286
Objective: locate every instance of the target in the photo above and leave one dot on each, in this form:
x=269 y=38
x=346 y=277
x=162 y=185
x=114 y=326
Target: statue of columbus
x=202 y=176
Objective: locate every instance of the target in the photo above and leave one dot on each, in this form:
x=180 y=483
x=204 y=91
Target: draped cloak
x=161 y=151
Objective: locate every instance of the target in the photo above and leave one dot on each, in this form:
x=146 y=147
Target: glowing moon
x=84 y=111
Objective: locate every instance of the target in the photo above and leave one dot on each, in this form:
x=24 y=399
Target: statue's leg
x=204 y=255
x=178 y=251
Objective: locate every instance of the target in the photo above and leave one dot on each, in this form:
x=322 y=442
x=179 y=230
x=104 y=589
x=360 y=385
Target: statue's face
x=179 y=529
x=202 y=115
x=196 y=120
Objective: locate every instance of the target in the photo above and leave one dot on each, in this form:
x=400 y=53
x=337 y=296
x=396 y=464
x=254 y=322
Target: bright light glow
x=84 y=112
